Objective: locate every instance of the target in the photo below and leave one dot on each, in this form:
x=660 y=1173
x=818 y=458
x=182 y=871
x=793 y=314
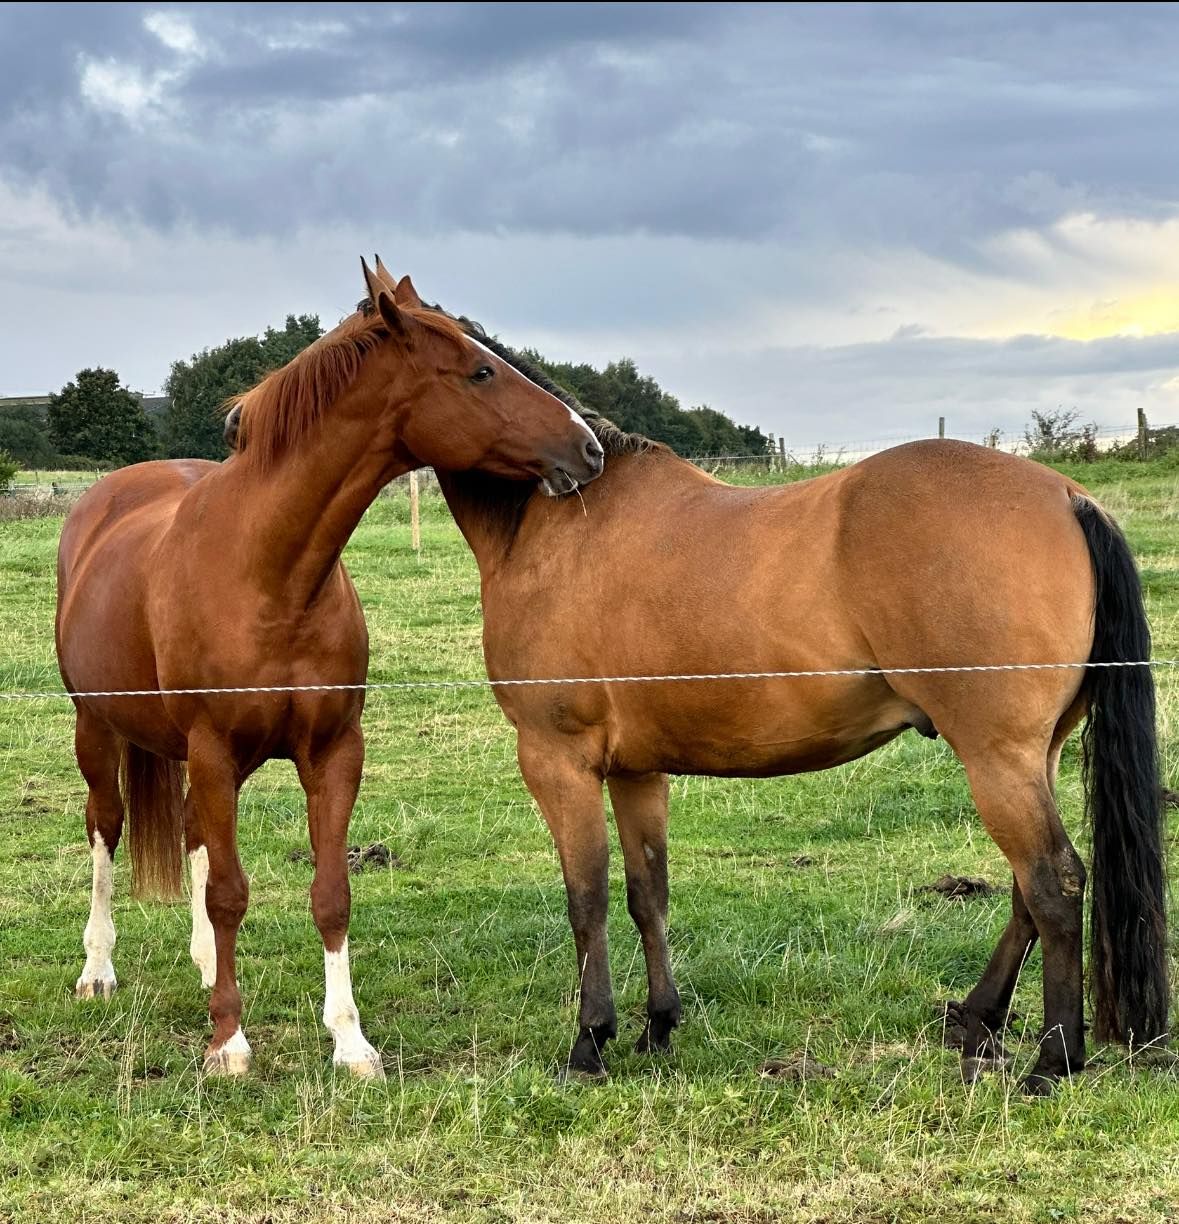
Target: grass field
x=796 y=927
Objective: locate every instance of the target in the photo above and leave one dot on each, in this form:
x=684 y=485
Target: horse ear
x=383 y=273
x=233 y=421
x=407 y=295
x=383 y=300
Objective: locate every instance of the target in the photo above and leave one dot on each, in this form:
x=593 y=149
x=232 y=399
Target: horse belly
x=752 y=733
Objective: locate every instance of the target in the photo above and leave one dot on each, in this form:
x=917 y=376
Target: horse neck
x=297 y=515
x=487 y=510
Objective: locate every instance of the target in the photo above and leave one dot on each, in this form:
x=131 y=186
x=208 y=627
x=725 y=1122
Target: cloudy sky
x=835 y=222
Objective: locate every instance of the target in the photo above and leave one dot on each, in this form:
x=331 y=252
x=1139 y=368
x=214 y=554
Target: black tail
x=153 y=801
x=1128 y=956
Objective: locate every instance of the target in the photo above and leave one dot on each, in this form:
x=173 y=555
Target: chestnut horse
x=932 y=554
x=193 y=575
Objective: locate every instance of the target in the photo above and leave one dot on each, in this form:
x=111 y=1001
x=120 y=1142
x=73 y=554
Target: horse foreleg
x=331 y=779
x=640 y=812
x=97 y=749
x=201 y=947
x=213 y=789
x=570 y=798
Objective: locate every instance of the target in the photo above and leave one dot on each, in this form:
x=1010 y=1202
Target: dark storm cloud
x=930 y=126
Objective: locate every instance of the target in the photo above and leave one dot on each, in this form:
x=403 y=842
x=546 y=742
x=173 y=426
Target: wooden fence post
x=1143 y=435
x=415 y=513
x=941 y=427
x=782 y=451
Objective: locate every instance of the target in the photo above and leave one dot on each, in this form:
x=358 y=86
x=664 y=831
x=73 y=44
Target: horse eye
x=482 y=374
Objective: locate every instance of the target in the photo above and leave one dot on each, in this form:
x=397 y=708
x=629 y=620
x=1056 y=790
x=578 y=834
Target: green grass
x=796 y=926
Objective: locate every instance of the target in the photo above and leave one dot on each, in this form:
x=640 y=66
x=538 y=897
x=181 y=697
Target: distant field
x=796 y=926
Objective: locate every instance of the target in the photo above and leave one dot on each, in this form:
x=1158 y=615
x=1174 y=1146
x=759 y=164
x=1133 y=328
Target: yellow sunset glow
x=1141 y=314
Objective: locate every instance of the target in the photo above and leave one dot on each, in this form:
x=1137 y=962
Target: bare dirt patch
x=360 y=858
x=955 y=888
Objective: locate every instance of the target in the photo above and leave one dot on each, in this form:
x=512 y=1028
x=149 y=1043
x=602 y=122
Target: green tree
x=8 y=469
x=95 y=417
x=199 y=387
x=24 y=434
x=639 y=404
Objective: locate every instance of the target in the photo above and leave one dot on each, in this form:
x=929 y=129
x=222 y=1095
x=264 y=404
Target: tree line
x=94 y=420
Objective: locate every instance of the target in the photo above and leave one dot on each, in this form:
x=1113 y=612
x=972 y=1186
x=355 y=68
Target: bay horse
x=186 y=574
x=938 y=553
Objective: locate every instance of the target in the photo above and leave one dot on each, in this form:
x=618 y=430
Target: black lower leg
x=1055 y=898
x=985 y=1009
x=597 y=1019
x=646 y=898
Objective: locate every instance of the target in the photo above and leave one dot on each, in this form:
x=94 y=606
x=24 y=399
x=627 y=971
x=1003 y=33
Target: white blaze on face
x=343 y=1020
x=98 y=974
x=202 y=947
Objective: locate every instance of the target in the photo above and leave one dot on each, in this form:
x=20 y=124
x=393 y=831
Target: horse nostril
x=593 y=452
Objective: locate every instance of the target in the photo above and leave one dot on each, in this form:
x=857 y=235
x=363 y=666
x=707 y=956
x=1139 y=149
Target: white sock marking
x=202 y=946
x=342 y=1019
x=237 y=1044
x=98 y=974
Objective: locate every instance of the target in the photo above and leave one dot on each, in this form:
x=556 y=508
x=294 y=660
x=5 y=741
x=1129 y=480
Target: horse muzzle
x=569 y=475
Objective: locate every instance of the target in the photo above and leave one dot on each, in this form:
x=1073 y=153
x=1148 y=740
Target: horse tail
x=153 y=809
x=1128 y=924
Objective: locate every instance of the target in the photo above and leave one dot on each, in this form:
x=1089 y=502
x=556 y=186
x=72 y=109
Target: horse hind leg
x=986 y=1008
x=98 y=750
x=202 y=946
x=1014 y=799
x=640 y=812
x=214 y=783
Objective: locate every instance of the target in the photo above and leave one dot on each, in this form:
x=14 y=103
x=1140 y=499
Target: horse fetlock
x=204 y=956
x=662 y=1018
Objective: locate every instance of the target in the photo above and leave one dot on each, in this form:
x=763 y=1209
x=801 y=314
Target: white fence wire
x=490 y=683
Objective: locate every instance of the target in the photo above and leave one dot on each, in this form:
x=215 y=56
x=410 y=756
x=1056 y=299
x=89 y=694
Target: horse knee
x=331 y=907
x=642 y=902
x=587 y=906
x=226 y=900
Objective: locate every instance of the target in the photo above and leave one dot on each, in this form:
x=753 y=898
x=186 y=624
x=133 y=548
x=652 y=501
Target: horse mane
x=288 y=403
x=614 y=441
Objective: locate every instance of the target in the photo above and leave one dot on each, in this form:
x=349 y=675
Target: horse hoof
x=230 y=1059
x=221 y=1064
x=570 y=1074
x=1038 y=1085
x=103 y=988
x=366 y=1065
x=973 y=1069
